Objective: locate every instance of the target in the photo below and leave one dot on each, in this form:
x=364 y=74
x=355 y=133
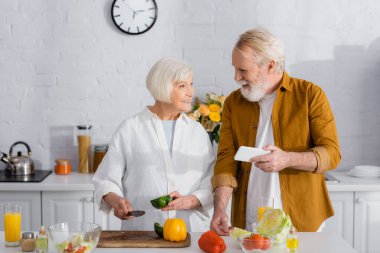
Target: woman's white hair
x=163 y=75
x=265 y=47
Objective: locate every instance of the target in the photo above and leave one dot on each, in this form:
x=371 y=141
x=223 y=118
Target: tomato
x=255 y=241
x=70 y=247
x=266 y=243
x=81 y=249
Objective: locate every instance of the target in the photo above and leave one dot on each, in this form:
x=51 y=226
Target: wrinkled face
x=249 y=75
x=182 y=94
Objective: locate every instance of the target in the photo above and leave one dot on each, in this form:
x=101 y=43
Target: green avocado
x=161 y=202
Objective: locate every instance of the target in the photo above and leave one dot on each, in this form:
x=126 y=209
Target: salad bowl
x=73 y=237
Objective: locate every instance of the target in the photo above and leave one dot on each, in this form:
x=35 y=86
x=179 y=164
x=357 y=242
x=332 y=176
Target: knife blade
x=136 y=213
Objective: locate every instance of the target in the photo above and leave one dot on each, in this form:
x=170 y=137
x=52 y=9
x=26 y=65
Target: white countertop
x=308 y=243
x=349 y=183
x=72 y=182
x=83 y=182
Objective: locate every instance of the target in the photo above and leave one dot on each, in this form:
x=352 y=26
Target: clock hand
x=129 y=7
x=140 y=10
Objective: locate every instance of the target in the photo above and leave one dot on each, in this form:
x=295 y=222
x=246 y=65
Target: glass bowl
x=256 y=243
x=75 y=237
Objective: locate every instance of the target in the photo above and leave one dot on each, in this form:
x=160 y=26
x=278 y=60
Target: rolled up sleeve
x=225 y=166
x=324 y=133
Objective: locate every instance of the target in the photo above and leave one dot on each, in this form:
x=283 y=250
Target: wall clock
x=134 y=16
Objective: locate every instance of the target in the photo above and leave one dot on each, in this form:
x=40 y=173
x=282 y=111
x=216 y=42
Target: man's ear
x=271 y=67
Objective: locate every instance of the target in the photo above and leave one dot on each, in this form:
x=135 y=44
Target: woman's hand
x=121 y=206
x=182 y=202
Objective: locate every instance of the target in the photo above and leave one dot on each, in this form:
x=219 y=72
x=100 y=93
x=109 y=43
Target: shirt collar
x=284 y=84
x=148 y=114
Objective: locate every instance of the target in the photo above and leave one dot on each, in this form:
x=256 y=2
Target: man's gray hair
x=265 y=47
x=163 y=75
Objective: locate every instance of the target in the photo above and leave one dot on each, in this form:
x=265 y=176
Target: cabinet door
x=108 y=222
x=342 y=223
x=67 y=207
x=367 y=222
x=30 y=208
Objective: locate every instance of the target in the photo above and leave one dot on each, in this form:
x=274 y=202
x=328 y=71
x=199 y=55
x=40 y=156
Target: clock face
x=134 y=16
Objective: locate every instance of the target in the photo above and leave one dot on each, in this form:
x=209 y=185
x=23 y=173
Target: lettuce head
x=276 y=224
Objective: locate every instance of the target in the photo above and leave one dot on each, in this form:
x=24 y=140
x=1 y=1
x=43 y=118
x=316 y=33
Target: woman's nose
x=190 y=91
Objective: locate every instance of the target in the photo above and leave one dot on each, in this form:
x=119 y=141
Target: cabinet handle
x=359 y=200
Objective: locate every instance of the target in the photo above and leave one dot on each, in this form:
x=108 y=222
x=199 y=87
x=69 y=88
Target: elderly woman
x=157 y=152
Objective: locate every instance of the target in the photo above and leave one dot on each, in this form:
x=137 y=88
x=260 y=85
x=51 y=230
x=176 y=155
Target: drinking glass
x=264 y=204
x=12 y=224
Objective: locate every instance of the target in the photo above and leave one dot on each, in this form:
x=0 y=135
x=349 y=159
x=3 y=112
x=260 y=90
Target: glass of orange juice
x=264 y=203
x=12 y=224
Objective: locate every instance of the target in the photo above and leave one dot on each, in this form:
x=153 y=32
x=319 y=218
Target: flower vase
x=214 y=144
x=211 y=136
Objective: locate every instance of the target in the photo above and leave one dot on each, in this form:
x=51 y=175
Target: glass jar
x=99 y=152
x=27 y=242
x=42 y=241
x=292 y=241
x=62 y=167
x=84 y=148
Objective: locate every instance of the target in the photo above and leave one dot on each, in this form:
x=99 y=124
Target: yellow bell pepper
x=175 y=230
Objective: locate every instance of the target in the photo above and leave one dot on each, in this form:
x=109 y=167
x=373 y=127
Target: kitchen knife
x=136 y=213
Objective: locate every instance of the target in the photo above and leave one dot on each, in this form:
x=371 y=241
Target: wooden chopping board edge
x=137 y=239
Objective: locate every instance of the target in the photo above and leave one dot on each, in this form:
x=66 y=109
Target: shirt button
x=254 y=126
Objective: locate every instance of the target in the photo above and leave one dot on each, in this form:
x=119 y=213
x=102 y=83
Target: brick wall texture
x=64 y=63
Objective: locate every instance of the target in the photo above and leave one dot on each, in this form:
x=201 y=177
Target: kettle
x=19 y=164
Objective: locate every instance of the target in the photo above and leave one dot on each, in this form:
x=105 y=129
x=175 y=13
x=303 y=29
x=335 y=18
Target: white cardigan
x=139 y=167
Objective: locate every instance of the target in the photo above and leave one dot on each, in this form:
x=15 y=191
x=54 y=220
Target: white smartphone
x=245 y=154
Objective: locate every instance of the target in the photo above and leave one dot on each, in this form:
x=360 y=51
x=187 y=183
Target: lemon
x=236 y=233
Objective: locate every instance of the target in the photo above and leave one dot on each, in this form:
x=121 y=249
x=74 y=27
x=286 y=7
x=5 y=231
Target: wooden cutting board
x=137 y=239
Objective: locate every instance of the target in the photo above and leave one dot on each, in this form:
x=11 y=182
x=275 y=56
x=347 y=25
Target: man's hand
x=275 y=161
x=219 y=222
x=182 y=202
x=121 y=206
x=278 y=160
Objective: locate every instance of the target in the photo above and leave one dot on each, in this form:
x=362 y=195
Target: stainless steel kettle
x=19 y=164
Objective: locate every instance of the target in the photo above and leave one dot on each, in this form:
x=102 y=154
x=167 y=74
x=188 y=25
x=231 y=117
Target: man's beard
x=253 y=93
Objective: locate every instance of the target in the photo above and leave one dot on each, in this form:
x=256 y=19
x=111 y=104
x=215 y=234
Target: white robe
x=138 y=166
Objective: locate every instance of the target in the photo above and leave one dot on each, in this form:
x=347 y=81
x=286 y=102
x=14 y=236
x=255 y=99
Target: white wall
x=63 y=63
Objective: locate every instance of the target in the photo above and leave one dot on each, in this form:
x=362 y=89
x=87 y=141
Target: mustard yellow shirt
x=302 y=121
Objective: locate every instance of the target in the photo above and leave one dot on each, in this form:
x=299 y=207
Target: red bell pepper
x=211 y=242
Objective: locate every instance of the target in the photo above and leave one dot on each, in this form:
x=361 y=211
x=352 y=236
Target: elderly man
x=289 y=117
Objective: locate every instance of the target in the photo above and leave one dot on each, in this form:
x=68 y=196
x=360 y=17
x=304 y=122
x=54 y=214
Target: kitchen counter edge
x=83 y=182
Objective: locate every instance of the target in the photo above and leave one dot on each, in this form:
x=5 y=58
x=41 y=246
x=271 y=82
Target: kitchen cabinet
x=107 y=221
x=367 y=222
x=30 y=208
x=50 y=207
x=67 y=206
x=342 y=223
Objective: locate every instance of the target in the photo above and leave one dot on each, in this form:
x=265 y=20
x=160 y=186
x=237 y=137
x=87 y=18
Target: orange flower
x=209 y=114
x=214 y=108
x=214 y=116
x=204 y=110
